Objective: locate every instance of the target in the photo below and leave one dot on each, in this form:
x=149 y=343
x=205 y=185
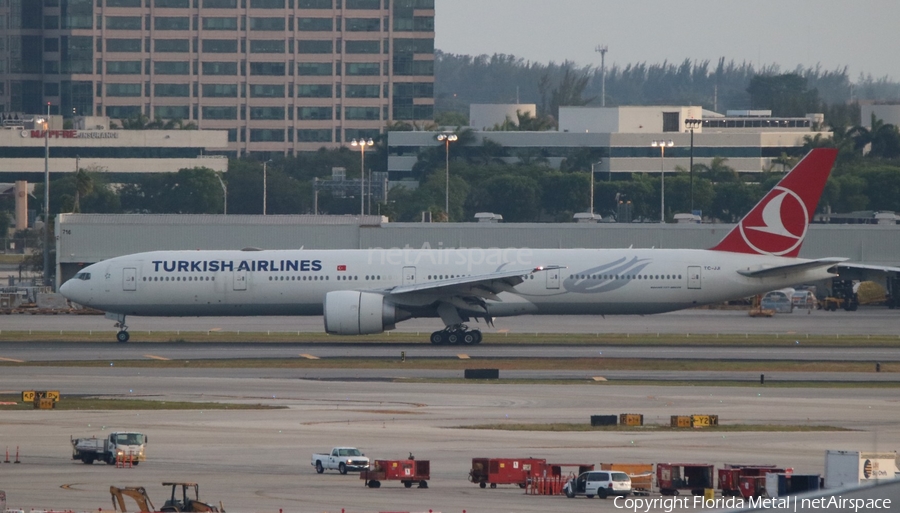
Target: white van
x=601 y=483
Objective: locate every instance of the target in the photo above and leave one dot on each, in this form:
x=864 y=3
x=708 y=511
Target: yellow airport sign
x=28 y=396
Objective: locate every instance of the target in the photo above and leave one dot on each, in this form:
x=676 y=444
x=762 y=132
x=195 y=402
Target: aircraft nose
x=73 y=290
x=66 y=289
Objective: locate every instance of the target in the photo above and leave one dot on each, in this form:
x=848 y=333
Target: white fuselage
x=295 y=282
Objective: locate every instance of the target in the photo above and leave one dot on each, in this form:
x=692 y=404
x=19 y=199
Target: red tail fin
x=777 y=224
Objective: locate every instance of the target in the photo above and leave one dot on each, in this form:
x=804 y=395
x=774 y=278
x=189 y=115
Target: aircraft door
x=552 y=278
x=129 y=279
x=240 y=280
x=694 y=277
x=409 y=275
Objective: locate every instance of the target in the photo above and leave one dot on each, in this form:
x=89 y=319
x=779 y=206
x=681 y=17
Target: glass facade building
x=283 y=76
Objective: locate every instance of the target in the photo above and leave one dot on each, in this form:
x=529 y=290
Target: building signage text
x=69 y=134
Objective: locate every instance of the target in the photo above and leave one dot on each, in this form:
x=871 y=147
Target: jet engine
x=350 y=312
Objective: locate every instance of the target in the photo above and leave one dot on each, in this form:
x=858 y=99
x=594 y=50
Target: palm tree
x=84 y=185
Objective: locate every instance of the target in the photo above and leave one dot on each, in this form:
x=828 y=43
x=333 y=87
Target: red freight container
x=405 y=471
x=753 y=486
x=553 y=476
x=672 y=477
x=730 y=476
x=494 y=471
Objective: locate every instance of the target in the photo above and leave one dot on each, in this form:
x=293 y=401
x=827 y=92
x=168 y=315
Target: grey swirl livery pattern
x=620 y=268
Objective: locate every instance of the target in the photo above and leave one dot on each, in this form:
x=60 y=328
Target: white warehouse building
x=622 y=137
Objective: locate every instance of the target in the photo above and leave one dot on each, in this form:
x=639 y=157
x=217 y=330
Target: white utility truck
x=855 y=468
x=342 y=459
x=127 y=445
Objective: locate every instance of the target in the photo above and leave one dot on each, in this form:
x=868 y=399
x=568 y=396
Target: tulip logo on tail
x=867 y=469
x=779 y=227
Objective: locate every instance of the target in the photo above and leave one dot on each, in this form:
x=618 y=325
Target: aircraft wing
x=791 y=268
x=486 y=286
x=866 y=272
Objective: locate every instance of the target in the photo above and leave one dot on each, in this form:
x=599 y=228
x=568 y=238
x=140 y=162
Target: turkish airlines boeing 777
x=369 y=291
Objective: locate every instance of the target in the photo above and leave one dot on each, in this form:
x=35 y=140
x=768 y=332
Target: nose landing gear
x=122 y=335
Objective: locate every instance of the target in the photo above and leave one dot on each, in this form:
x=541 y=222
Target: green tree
x=784 y=95
x=516 y=198
x=84 y=185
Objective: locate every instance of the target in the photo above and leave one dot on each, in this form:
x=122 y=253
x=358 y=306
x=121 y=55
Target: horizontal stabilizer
x=798 y=267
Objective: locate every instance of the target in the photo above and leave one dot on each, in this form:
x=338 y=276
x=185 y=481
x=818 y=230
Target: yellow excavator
x=138 y=493
x=186 y=503
x=174 y=504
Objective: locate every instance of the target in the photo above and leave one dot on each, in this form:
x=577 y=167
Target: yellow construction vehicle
x=185 y=503
x=138 y=493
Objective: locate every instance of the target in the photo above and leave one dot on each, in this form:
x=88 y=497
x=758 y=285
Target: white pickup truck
x=126 y=445
x=342 y=459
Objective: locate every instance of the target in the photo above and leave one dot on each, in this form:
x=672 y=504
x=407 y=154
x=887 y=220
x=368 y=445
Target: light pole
x=447 y=139
x=602 y=49
x=362 y=143
x=224 y=194
x=691 y=125
x=265 y=181
x=662 y=176
x=592 y=185
x=46 y=123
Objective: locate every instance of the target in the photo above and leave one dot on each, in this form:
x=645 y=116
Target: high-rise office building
x=279 y=75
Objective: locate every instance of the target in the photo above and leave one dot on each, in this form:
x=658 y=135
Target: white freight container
x=854 y=468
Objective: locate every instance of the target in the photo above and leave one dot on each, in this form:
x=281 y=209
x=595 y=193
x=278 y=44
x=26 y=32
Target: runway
x=878 y=321
x=258 y=460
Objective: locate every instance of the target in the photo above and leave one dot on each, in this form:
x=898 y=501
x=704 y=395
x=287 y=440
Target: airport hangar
x=84 y=239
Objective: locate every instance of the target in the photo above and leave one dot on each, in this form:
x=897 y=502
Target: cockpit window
x=83 y=276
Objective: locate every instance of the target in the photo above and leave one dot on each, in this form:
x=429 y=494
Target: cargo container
x=494 y=471
x=641 y=475
x=730 y=476
x=783 y=484
x=407 y=472
x=673 y=477
x=553 y=477
x=854 y=468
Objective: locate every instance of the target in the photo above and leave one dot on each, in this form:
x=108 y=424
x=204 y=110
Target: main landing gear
x=456 y=335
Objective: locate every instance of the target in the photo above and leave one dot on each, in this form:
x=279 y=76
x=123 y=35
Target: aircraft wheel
x=122 y=336
x=469 y=338
x=478 y=336
x=437 y=338
x=453 y=337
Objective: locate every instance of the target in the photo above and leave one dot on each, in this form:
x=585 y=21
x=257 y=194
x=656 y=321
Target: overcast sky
x=860 y=34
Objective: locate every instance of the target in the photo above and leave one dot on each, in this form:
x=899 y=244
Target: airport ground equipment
x=342 y=459
x=185 y=503
x=138 y=493
x=117 y=444
x=554 y=477
x=408 y=472
x=782 y=484
x=674 y=477
x=641 y=475
x=731 y=477
x=601 y=483
x=494 y=471
x=854 y=468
